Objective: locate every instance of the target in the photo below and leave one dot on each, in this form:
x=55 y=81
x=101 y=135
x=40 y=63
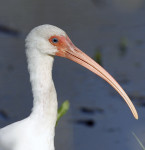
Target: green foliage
x=123 y=46
x=98 y=56
x=62 y=110
x=138 y=140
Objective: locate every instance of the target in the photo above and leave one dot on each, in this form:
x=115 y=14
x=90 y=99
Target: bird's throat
x=45 y=100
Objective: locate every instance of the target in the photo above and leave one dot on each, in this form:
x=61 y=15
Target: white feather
x=37 y=131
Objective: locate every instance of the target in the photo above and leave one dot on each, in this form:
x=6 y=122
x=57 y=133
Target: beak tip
x=136 y=117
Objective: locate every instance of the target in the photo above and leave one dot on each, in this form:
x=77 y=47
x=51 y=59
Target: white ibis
x=36 y=132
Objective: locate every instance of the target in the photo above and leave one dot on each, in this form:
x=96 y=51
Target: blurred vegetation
x=123 y=44
x=98 y=56
x=138 y=140
x=62 y=110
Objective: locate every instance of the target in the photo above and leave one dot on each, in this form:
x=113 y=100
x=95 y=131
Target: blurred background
x=111 y=32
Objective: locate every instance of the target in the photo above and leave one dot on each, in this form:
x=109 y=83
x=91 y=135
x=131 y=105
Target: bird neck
x=44 y=110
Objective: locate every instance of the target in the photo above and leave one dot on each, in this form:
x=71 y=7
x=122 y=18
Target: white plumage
x=37 y=131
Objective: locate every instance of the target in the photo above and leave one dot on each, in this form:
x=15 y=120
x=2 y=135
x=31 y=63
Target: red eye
x=55 y=40
x=58 y=41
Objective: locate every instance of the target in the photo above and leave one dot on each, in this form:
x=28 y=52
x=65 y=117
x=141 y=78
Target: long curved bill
x=71 y=52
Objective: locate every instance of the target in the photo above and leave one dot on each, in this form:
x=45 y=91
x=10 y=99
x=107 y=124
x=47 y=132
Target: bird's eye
x=55 y=40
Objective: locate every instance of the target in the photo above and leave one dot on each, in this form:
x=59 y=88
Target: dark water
x=98 y=117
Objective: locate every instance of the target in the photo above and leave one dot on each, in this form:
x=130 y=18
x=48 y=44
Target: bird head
x=51 y=40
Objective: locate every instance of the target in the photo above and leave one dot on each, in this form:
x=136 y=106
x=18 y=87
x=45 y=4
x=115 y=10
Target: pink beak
x=70 y=51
